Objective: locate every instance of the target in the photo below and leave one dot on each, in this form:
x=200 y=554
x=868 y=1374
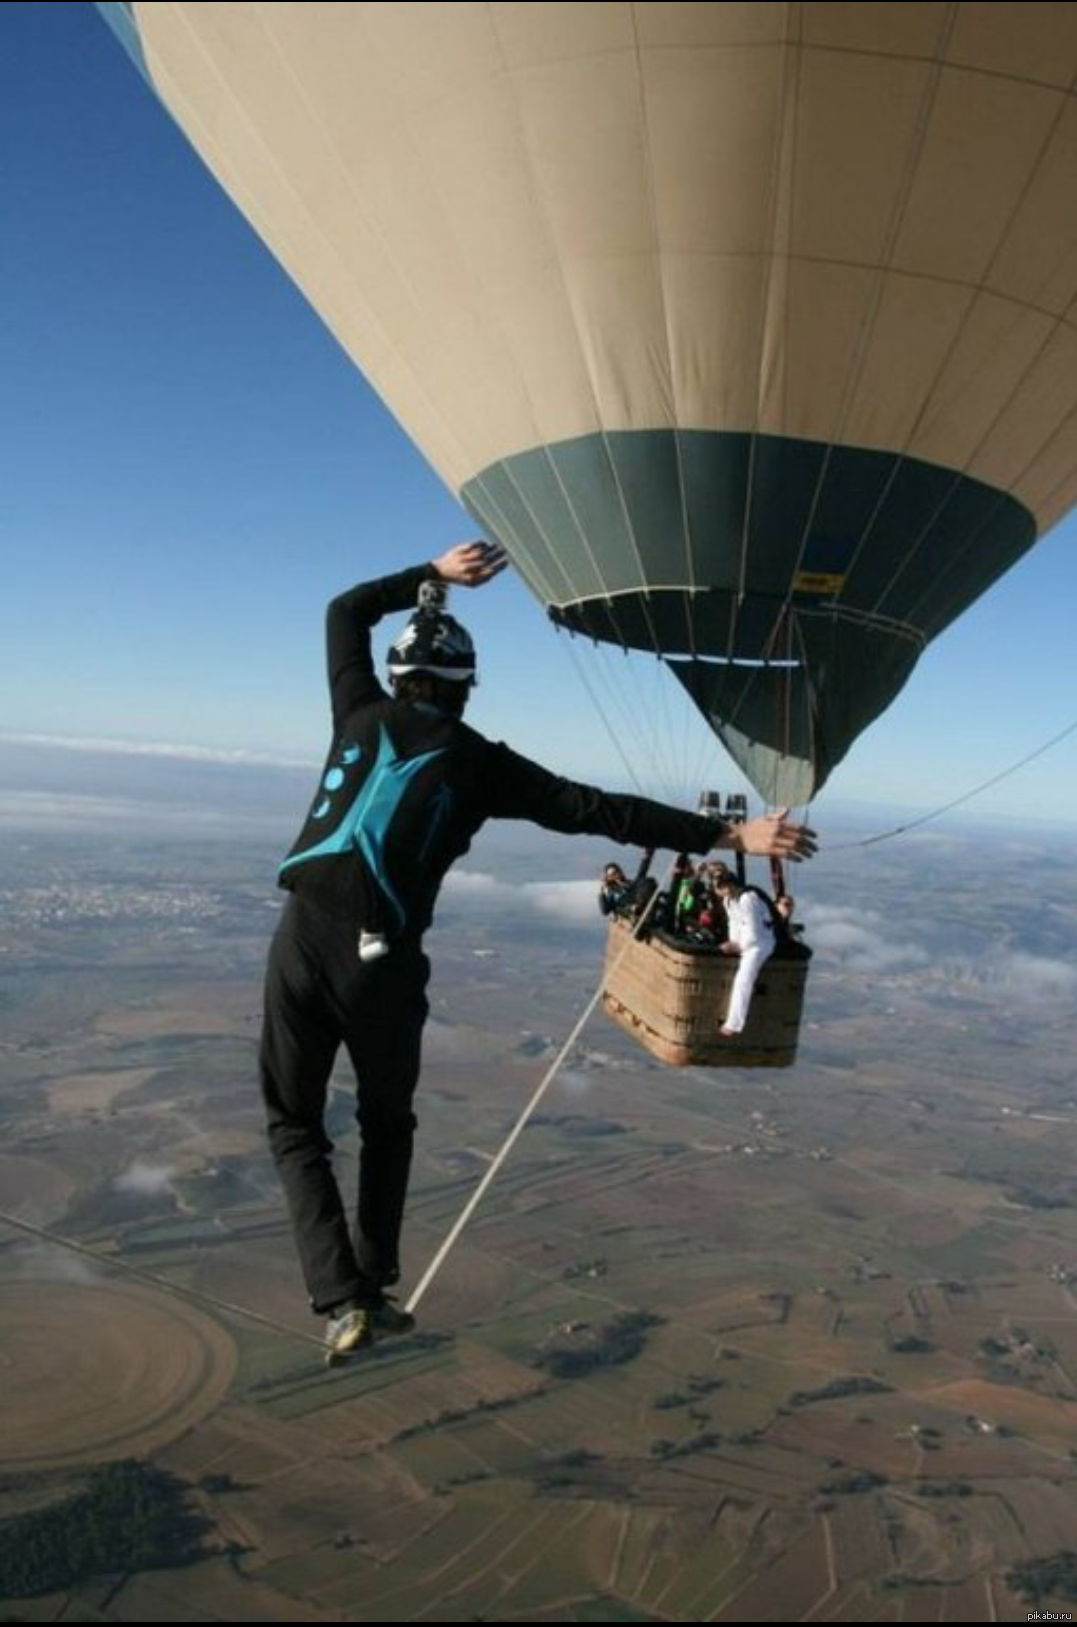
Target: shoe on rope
x=347 y=1333
x=388 y=1320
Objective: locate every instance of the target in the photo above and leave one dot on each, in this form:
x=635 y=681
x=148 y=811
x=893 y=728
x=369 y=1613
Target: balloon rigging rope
x=967 y=796
x=600 y=709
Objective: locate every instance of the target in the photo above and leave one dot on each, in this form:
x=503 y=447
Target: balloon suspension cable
x=111 y=1262
x=967 y=796
x=517 y=1130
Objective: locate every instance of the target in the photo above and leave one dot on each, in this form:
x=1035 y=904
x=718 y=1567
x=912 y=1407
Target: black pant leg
x=384 y=1040
x=300 y=1039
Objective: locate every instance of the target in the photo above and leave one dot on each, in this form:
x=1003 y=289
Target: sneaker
x=387 y=1320
x=347 y=1333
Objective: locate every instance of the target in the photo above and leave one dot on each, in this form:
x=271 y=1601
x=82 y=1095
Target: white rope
x=213 y=1303
x=521 y=1123
x=967 y=796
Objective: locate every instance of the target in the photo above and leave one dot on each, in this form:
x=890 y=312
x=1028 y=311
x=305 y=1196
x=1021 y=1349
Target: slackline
x=213 y=1302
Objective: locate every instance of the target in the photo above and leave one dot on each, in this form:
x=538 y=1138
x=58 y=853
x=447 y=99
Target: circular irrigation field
x=104 y=1370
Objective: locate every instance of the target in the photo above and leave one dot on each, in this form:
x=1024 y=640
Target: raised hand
x=470 y=564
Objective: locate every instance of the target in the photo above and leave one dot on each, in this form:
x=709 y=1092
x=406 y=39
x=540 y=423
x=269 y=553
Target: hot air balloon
x=747 y=329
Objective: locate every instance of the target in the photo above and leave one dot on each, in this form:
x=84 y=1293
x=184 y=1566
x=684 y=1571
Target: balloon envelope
x=747 y=329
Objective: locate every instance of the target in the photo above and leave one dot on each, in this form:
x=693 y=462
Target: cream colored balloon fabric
x=529 y=222
x=549 y=226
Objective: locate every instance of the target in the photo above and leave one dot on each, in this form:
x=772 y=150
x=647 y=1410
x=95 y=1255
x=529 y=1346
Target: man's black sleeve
x=353 y=681
x=520 y=789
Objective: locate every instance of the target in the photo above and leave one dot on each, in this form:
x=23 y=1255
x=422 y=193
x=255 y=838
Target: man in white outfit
x=751 y=937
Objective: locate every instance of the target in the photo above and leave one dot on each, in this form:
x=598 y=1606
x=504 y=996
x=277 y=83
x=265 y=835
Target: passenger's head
x=728 y=886
x=432 y=663
x=613 y=875
x=785 y=906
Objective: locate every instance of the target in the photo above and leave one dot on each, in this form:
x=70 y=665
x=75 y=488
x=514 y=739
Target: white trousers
x=748 y=968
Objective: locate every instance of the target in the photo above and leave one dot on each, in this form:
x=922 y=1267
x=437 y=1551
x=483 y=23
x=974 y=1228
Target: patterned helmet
x=434 y=642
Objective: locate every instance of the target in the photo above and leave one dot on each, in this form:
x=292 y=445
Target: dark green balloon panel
x=791 y=585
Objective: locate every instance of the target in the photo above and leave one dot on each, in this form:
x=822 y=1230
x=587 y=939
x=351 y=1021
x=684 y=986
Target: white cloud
x=860 y=940
x=572 y=903
x=159 y=748
x=51 y=1262
x=149 y=1180
x=864 y=941
x=28 y=807
x=1024 y=979
x=477 y=885
x=71 y=810
x=572 y=1083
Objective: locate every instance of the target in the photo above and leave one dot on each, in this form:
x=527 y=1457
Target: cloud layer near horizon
x=171 y=750
x=845 y=939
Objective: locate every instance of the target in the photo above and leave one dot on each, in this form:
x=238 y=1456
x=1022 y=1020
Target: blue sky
x=191 y=468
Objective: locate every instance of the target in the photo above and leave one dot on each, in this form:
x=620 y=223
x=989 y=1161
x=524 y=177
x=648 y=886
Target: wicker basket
x=674 y=1000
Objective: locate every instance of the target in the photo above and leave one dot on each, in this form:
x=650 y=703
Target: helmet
x=434 y=642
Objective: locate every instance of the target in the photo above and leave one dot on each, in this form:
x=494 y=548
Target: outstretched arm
x=519 y=789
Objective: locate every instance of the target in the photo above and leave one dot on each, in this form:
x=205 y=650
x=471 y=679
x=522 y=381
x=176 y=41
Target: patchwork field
x=103 y=1371
x=715 y=1348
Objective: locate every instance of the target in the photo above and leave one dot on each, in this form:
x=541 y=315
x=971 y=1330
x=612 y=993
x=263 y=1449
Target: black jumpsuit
x=404 y=789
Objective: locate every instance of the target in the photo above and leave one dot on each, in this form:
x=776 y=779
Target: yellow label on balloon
x=820 y=584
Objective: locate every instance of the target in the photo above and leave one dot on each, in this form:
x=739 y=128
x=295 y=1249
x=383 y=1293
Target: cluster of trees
x=563 y=1472
x=1052 y=1578
x=706 y=1442
x=460 y=1415
x=1031 y=1197
x=839 y=1387
x=468 y=1477
x=129 y=1517
x=849 y=1485
x=584 y=1268
x=611 y=1345
x=573 y=1124
x=698 y=1385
